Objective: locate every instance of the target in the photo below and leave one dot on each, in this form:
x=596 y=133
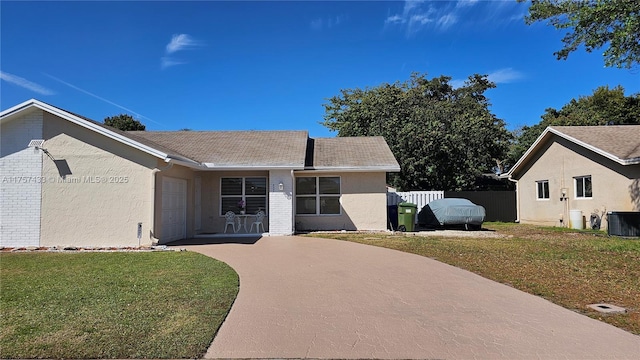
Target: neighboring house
x=92 y=185
x=588 y=168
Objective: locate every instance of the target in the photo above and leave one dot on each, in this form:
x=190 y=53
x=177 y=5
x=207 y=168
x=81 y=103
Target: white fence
x=420 y=198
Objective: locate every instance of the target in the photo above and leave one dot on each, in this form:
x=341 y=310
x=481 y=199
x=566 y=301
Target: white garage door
x=174 y=209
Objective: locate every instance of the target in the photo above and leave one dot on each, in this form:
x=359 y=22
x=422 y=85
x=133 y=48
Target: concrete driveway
x=316 y=298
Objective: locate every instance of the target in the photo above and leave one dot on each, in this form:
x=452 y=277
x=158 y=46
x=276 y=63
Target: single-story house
x=592 y=169
x=70 y=181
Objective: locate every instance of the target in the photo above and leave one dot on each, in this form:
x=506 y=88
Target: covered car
x=452 y=211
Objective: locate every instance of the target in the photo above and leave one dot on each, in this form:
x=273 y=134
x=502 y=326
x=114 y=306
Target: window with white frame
x=583 y=186
x=318 y=195
x=543 y=189
x=236 y=192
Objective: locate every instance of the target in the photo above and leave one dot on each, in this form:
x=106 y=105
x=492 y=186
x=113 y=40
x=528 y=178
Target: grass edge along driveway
x=112 y=305
x=567 y=267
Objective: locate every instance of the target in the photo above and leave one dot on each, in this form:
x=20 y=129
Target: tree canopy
x=443 y=137
x=124 y=122
x=604 y=107
x=594 y=24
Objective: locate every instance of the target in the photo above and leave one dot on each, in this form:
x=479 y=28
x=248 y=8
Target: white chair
x=230 y=218
x=258 y=223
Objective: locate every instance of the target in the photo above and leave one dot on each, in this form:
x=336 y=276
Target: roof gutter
x=517 y=197
x=213 y=166
x=185 y=162
x=352 y=168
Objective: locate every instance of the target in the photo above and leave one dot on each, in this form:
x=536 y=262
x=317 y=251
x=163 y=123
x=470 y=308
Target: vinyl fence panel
x=420 y=198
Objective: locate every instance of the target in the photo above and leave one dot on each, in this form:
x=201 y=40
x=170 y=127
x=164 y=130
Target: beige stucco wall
x=212 y=221
x=363 y=201
x=615 y=187
x=103 y=199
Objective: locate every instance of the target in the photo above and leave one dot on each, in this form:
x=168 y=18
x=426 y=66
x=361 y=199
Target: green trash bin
x=407 y=216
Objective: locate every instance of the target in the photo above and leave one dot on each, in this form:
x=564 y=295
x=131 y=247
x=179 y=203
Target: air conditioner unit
x=623 y=223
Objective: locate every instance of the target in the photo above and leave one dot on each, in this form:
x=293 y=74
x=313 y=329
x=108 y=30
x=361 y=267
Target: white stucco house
x=70 y=181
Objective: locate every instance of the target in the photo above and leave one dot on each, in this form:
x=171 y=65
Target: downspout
x=152 y=220
x=293 y=204
x=517 y=198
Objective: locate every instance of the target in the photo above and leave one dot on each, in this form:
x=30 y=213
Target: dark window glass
x=329 y=205
x=251 y=190
x=306 y=186
x=231 y=186
x=583 y=187
x=306 y=205
x=255 y=186
x=543 y=189
x=587 y=186
x=329 y=185
x=230 y=204
x=255 y=203
x=318 y=195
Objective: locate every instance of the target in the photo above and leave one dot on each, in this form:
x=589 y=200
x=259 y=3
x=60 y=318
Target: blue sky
x=214 y=65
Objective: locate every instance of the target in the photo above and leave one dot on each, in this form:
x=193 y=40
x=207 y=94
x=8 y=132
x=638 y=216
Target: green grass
x=112 y=305
x=568 y=267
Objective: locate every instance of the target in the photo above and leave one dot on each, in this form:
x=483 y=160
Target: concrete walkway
x=316 y=298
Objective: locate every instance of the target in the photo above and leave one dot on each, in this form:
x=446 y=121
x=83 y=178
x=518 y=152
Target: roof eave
x=527 y=153
x=83 y=123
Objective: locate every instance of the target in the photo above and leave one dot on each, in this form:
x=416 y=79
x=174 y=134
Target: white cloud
x=181 y=42
x=446 y=21
x=24 y=83
x=420 y=19
x=504 y=76
x=397 y=19
x=336 y=21
x=316 y=24
x=466 y=3
x=442 y=16
x=417 y=15
x=166 y=62
x=409 y=5
x=320 y=23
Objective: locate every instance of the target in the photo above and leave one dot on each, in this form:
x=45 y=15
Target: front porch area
x=215 y=204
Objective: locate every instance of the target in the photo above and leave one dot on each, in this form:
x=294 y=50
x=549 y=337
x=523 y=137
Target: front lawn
x=568 y=267
x=112 y=305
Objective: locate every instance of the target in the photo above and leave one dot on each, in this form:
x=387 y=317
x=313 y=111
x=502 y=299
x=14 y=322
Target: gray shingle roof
x=242 y=149
x=621 y=141
x=234 y=148
x=351 y=153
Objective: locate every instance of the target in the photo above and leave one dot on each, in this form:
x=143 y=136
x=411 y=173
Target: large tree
x=604 y=107
x=594 y=24
x=124 y=122
x=443 y=137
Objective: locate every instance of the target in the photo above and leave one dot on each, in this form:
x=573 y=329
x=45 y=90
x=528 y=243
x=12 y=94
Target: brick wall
x=20 y=181
x=280 y=203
